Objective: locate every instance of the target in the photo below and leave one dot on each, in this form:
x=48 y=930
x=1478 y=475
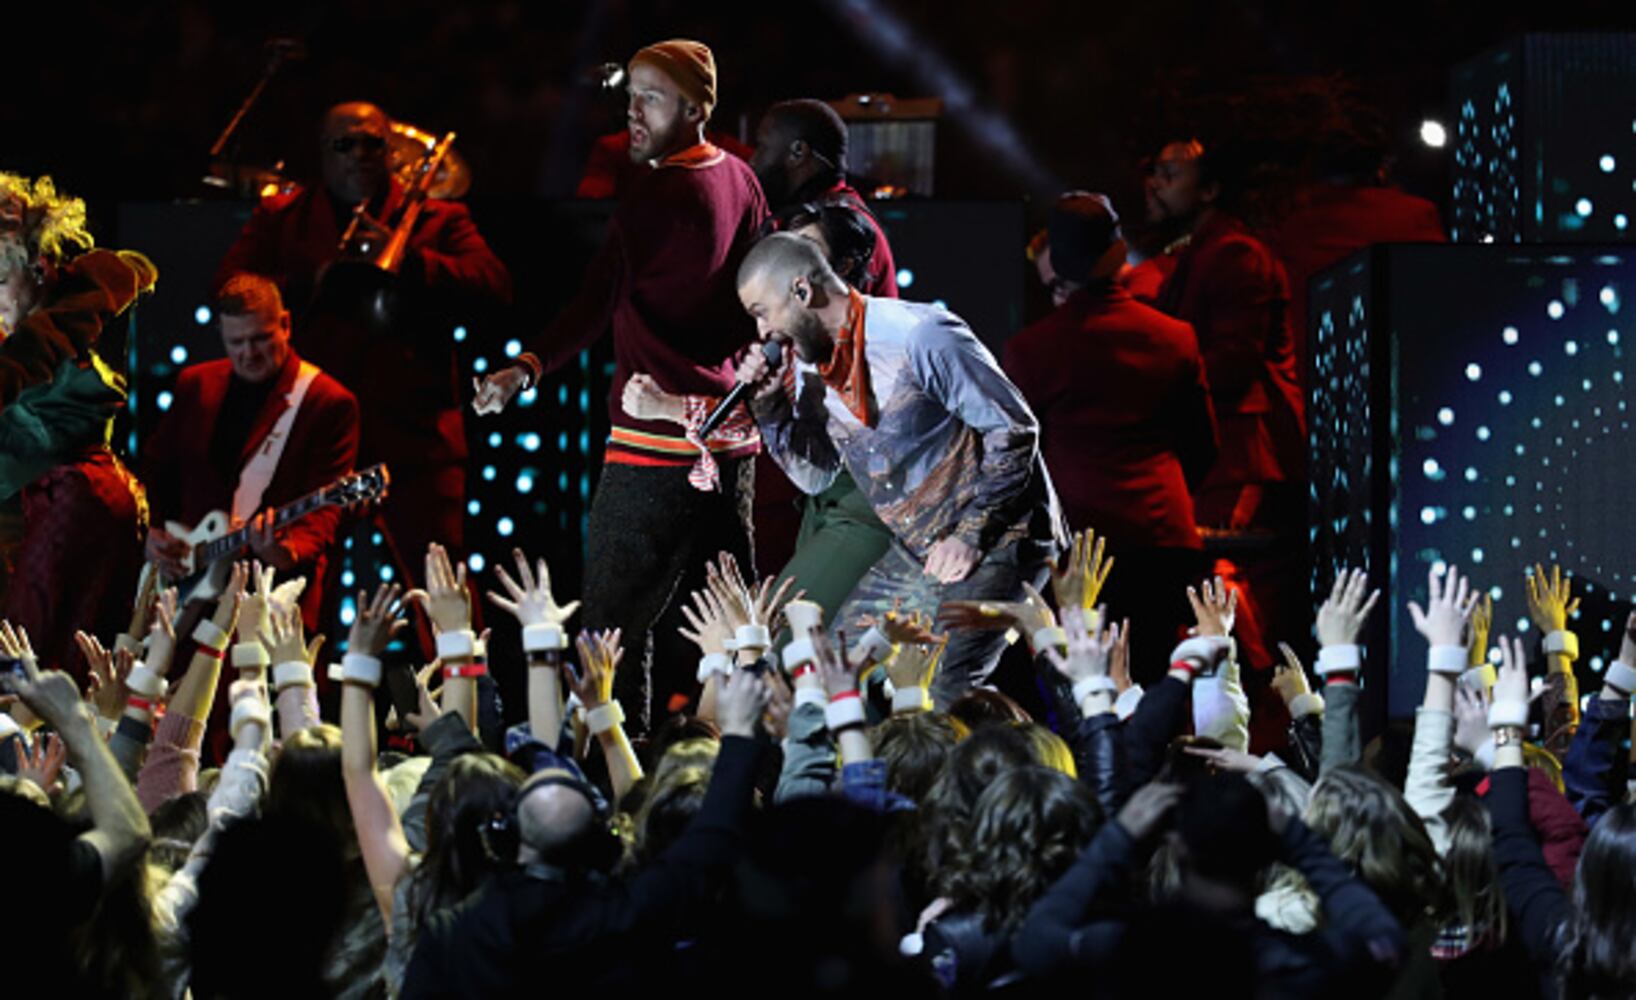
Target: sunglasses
x=368 y=143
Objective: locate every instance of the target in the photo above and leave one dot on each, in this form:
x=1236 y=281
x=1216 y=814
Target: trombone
x=380 y=244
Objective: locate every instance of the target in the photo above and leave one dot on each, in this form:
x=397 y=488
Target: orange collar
x=847 y=371
x=694 y=157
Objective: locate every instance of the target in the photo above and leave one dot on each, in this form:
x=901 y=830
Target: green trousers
x=840 y=539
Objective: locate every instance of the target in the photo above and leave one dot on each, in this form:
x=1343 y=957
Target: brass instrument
x=380 y=244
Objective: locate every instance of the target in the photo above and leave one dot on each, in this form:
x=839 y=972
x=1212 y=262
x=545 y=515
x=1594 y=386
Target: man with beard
x=663 y=280
x=912 y=404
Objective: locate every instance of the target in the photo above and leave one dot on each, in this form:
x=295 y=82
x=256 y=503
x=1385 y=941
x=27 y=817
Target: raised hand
x=1119 y=658
x=496 y=389
x=1215 y=608
x=1090 y=652
x=42 y=765
x=599 y=656
x=285 y=638
x=1470 y=718
x=1289 y=678
x=724 y=580
x=1550 y=601
x=710 y=626
x=51 y=694
x=1078 y=583
x=833 y=670
x=379 y=619
x=1448 y=604
x=162 y=633
x=740 y=703
x=226 y=614
x=1478 y=628
x=14 y=643
x=531 y=602
x=430 y=710
x=915 y=664
x=898 y=627
x=1225 y=758
x=1147 y=808
x=444 y=599
x=255 y=609
x=105 y=684
x=1027 y=616
x=1341 y=618
x=1511 y=679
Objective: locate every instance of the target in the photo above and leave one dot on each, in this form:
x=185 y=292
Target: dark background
x=121 y=101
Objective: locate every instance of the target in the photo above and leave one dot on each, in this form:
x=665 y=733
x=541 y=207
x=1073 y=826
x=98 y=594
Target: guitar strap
x=258 y=471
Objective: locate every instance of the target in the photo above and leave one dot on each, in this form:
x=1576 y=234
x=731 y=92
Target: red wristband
x=140 y=703
x=843 y=696
x=476 y=668
x=1187 y=665
x=212 y=652
x=1341 y=677
x=802 y=671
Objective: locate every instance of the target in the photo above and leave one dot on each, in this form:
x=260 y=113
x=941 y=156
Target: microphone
x=773 y=351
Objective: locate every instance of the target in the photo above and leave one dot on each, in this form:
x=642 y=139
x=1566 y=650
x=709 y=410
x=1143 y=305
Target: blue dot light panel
x=1543 y=143
x=1471 y=406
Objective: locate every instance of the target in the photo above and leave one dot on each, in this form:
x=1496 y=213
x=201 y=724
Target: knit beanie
x=689 y=64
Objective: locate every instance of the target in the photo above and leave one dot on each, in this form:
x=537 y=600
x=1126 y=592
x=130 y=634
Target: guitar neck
x=238 y=540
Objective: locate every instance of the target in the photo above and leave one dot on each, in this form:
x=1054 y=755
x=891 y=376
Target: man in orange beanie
x=664 y=280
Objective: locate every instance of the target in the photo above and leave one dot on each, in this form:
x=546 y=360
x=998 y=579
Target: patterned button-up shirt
x=954 y=449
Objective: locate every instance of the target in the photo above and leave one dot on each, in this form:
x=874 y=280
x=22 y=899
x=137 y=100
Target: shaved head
x=551 y=818
x=345 y=116
x=779 y=259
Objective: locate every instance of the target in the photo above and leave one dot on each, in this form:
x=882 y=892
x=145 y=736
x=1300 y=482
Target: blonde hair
x=45 y=223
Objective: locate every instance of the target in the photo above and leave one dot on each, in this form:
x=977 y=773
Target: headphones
x=598 y=848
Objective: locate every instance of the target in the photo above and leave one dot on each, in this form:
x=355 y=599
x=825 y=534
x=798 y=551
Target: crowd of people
x=734 y=781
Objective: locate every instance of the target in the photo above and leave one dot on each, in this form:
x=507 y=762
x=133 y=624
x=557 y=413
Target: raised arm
x=381 y=841
x=1340 y=622
x=599 y=657
x=1551 y=606
x=529 y=600
x=1443 y=622
x=447 y=603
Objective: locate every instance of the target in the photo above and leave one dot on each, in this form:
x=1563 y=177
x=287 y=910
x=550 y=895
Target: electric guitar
x=214 y=543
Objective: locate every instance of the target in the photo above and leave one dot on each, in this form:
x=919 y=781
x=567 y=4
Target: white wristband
x=714 y=663
x=1485 y=754
x=360 y=669
x=1507 y=713
x=797 y=653
x=247 y=710
x=143 y=681
x=207 y=634
x=1338 y=659
x=543 y=638
x=1206 y=650
x=1124 y=706
x=292 y=673
x=605 y=717
x=123 y=641
x=810 y=696
x=456 y=644
x=1621 y=676
x=1095 y=684
x=1051 y=636
x=843 y=714
x=8 y=726
x=250 y=654
x=803 y=616
x=1563 y=642
x=875 y=646
x=1306 y=704
x=1450 y=661
x=910 y=699
x=753 y=637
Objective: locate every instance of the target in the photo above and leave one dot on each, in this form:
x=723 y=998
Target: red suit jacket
x=323 y=445
x=1124 y=410
x=1234 y=292
x=405 y=380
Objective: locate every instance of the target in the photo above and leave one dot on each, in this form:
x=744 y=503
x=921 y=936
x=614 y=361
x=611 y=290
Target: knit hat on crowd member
x=689 y=65
x=1086 y=242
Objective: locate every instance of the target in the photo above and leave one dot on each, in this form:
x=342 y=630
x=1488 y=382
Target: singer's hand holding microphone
x=754 y=380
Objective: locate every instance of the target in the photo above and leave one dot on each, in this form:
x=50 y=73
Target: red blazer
x=405 y=380
x=1234 y=292
x=1124 y=410
x=323 y=445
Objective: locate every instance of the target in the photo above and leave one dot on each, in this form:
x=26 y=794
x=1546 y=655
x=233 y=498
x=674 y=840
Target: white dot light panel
x=1543 y=148
x=1471 y=406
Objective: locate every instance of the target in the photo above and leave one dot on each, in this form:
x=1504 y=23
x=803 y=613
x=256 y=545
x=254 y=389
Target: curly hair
x=44 y=223
x=1026 y=828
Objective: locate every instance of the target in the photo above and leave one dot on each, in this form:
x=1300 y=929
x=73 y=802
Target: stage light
x=1431 y=468
x=1474 y=371
x=476 y=562
x=530 y=441
x=1570 y=348
x=1613 y=336
x=513 y=348
x=178 y=355
x=459 y=334
x=495 y=439
x=1428 y=515
x=1609 y=296
x=906 y=277
x=163 y=400
x=488 y=473
x=201 y=315
x=1509 y=335
x=1620 y=222
x=1583 y=208
x=474 y=506
x=1535 y=368
x=525 y=482
x=527 y=397
x=505 y=527
x=1554 y=309
x=1607 y=164
x=386 y=572
x=1433 y=134
x=1483 y=434
x=1445 y=416
x=479 y=365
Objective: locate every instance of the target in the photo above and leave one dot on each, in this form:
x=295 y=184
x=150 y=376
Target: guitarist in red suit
x=223 y=414
x=403 y=373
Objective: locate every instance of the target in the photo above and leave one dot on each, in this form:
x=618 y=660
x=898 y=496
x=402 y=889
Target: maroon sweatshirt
x=665 y=279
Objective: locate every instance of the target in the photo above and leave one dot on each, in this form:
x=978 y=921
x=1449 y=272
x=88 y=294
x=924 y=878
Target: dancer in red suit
x=67 y=503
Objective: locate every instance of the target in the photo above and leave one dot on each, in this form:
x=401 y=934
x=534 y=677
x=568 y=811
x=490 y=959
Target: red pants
x=77 y=562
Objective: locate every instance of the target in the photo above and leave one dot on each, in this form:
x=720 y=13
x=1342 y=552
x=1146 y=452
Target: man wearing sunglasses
x=403 y=371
